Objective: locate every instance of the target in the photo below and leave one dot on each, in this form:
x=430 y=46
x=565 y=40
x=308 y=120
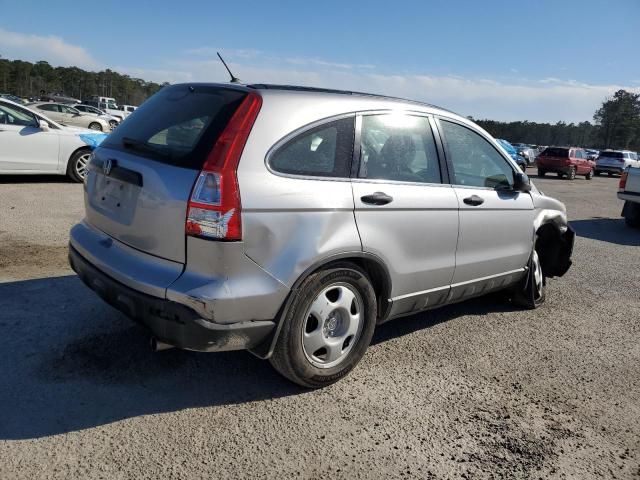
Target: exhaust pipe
x=158 y=346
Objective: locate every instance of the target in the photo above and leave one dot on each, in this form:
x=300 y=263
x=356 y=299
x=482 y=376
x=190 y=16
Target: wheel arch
x=554 y=248
x=371 y=264
x=73 y=152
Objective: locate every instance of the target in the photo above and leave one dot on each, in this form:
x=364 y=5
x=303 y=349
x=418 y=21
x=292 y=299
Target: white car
x=68 y=115
x=31 y=143
x=96 y=112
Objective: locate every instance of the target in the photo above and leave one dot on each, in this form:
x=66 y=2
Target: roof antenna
x=233 y=79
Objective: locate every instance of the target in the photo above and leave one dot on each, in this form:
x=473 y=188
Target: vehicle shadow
x=70 y=362
x=612 y=230
x=7 y=179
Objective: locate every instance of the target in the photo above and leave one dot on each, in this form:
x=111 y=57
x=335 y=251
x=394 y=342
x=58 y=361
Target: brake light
x=623 y=180
x=214 y=210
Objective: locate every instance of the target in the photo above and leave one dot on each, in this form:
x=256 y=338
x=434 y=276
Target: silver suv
x=615 y=161
x=292 y=221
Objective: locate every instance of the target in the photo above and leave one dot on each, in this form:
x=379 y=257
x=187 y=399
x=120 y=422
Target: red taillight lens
x=214 y=210
x=623 y=180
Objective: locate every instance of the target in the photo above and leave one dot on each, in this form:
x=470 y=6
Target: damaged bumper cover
x=560 y=264
x=169 y=321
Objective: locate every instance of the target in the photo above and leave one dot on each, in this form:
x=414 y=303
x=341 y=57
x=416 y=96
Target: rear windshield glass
x=555 y=152
x=612 y=154
x=178 y=125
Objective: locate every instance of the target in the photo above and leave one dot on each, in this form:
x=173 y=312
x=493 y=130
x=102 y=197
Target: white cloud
x=50 y=48
x=549 y=99
x=544 y=100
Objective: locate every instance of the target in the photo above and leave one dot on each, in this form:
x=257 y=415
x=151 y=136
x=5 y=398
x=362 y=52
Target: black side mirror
x=521 y=182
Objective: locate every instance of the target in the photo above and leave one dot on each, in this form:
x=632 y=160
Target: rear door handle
x=377 y=198
x=474 y=200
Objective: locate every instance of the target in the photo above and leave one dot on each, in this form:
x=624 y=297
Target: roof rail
x=300 y=88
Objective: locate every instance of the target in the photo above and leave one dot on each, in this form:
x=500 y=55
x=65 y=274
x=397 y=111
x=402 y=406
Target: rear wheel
x=541 y=173
x=589 y=175
x=597 y=173
x=530 y=293
x=95 y=126
x=327 y=328
x=572 y=173
x=609 y=174
x=78 y=165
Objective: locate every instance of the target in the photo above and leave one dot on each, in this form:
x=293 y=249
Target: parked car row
x=32 y=143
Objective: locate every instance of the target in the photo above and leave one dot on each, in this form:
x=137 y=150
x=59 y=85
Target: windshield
x=178 y=125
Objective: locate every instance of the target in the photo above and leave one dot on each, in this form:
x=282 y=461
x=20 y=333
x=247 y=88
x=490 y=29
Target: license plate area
x=114 y=198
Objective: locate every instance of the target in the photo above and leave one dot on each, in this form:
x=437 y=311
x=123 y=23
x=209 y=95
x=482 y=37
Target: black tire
x=589 y=175
x=289 y=357
x=76 y=168
x=571 y=175
x=541 y=173
x=632 y=214
x=597 y=173
x=95 y=126
x=609 y=174
x=530 y=293
x=560 y=174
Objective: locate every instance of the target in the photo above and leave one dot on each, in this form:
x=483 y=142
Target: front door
x=25 y=146
x=404 y=213
x=496 y=222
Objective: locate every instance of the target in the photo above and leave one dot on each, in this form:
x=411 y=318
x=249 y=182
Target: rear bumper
x=629 y=197
x=609 y=169
x=555 y=168
x=169 y=321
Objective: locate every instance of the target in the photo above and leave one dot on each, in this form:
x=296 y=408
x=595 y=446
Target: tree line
x=616 y=124
x=29 y=80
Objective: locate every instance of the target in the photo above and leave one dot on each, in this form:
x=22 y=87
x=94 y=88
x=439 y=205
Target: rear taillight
x=623 y=180
x=214 y=207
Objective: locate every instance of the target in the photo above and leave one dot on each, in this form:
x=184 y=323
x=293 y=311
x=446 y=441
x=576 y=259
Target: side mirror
x=44 y=126
x=521 y=182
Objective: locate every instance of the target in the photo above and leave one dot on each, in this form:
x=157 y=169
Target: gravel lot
x=476 y=390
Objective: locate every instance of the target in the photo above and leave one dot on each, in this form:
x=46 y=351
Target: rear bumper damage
x=169 y=321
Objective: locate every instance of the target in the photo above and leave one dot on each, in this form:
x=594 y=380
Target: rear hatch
x=141 y=176
x=611 y=159
x=554 y=157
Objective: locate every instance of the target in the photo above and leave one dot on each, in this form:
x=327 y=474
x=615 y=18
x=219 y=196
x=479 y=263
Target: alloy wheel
x=332 y=326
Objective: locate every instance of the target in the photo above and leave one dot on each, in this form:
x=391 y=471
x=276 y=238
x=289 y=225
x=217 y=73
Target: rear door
x=52 y=110
x=141 y=177
x=404 y=213
x=496 y=222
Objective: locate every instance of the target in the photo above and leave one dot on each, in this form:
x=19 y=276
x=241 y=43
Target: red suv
x=565 y=161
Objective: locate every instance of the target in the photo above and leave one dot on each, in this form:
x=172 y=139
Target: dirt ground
x=476 y=390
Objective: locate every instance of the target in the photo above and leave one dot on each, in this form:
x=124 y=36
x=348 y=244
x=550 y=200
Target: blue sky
x=537 y=60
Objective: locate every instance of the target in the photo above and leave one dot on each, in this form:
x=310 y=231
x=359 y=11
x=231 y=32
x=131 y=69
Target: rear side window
x=49 y=108
x=398 y=147
x=324 y=151
x=612 y=154
x=178 y=125
x=555 y=152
